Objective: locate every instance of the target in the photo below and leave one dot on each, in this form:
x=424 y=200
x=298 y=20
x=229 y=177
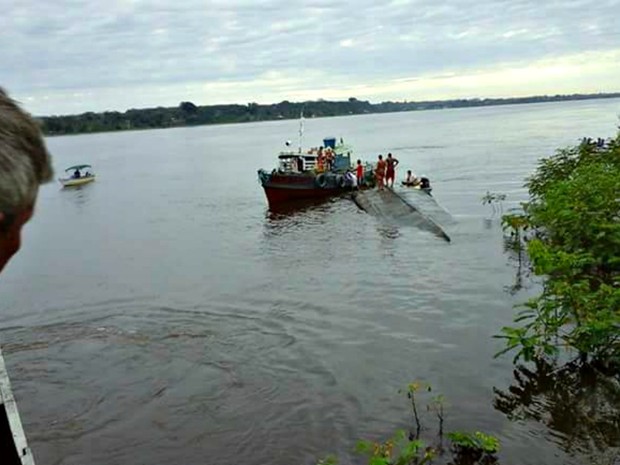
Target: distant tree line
x=189 y=114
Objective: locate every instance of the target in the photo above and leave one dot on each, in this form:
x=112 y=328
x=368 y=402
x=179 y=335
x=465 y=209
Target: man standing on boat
x=359 y=174
x=391 y=170
x=380 y=172
x=24 y=165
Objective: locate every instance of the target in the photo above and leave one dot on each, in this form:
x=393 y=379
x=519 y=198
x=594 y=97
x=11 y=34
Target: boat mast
x=301 y=128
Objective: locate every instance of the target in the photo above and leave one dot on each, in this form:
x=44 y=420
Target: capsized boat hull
x=69 y=182
x=405 y=207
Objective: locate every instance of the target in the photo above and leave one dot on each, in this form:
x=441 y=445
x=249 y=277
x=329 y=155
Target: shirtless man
x=380 y=172
x=390 y=174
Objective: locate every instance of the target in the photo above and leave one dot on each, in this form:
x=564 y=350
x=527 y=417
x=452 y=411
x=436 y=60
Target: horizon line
x=604 y=94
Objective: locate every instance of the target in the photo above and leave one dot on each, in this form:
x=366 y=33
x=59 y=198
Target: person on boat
x=26 y=164
x=329 y=158
x=380 y=172
x=359 y=174
x=410 y=180
x=320 y=160
x=390 y=174
x=320 y=163
x=350 y=178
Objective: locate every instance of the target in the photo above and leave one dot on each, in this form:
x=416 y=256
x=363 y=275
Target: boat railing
x=309 y=163
x=14 y=448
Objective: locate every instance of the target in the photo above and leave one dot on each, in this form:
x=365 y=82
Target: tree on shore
x=570 y=229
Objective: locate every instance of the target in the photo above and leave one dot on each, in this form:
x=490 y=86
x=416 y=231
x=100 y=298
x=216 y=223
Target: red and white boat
x=305 y=175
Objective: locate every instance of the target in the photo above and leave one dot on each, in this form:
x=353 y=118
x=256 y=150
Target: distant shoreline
x=188 y=114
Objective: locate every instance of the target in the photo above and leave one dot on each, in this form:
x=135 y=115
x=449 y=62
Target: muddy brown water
x=163 y=315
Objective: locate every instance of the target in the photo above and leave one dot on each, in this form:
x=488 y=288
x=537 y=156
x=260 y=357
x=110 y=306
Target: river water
x=163 y=315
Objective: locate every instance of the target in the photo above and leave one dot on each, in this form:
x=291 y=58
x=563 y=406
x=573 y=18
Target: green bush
x=571 y=231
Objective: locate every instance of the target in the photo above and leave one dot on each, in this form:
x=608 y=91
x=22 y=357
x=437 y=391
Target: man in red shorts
x=390 y=172
x=359 y=174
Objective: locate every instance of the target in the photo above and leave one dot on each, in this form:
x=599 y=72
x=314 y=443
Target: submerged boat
x=77 y=178
x=314 y=174
x=403 y=206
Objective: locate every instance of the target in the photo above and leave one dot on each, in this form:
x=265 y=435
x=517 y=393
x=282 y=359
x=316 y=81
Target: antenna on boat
x=301 y=128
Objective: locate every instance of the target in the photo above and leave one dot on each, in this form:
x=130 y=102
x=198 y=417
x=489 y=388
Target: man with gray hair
x=24 y=165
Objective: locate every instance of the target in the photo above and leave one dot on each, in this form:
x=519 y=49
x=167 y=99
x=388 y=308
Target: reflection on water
x=579 y=405
x=285 y=210
x=279 y=220
x=77 y=195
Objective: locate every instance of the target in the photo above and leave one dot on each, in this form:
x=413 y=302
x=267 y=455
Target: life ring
x=340 y=181
x=321 y=180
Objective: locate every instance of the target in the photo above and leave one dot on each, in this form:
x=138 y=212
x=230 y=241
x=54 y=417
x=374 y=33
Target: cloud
x=135 y=53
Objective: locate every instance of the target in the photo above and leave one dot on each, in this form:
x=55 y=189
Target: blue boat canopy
x=329 y=142
x=78 y=167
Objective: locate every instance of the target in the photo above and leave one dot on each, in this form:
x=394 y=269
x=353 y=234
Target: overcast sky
x=71 y=56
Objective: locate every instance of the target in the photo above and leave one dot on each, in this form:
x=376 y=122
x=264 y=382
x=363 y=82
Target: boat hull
x=283 y=194
x=70 y=182
x=291 y=187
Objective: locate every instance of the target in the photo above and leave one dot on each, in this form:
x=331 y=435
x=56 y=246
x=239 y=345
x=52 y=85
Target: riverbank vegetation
x=568 y=236
x=189 y=114
x=570 y=230
x=408 y=447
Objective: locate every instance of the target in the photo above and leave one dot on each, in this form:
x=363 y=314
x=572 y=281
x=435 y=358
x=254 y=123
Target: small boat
x=305 y=175
x=77 y=178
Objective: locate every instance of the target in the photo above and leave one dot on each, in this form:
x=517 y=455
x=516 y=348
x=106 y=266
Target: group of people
x=599 y=142
x=77 y=174
x=385 y=173
x=325 y=159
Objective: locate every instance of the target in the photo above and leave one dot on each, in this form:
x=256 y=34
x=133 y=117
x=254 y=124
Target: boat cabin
x=298 y=162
